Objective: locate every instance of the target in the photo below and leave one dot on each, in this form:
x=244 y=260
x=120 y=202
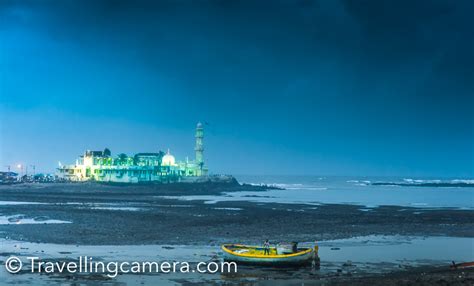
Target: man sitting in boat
x=266 y=247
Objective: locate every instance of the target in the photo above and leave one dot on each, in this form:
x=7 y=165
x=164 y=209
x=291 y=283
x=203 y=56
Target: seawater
x=315 y=190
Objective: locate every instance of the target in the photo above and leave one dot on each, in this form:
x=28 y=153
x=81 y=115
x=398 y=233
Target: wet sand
x=141 y=214
x=405 y=254
x=416 y=276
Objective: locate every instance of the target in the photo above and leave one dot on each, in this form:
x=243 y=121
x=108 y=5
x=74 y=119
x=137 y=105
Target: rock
x=347 y=264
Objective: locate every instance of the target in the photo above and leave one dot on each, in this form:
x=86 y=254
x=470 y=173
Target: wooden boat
x=462 y=265
x=245 y=254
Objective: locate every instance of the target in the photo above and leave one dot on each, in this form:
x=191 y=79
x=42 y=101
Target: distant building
x=8 y=177
x=142 y=167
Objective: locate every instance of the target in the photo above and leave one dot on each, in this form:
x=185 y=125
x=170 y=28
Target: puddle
x=9 y=203
x=118 y=208
x=373 y=249
x=20 y=219
x=376 y=249
x=368 y=254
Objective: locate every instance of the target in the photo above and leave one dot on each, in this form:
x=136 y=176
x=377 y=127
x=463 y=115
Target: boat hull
x=302 y=257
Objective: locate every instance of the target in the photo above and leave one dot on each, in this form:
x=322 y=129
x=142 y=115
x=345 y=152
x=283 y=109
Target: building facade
x=142 y=167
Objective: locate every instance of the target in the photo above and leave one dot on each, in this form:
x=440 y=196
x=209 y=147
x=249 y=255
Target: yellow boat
x=245 y=254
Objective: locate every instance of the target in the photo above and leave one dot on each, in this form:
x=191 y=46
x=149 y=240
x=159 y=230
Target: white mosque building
x=142 y=167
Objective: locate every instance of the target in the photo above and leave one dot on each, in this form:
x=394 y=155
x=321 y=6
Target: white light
x=19 y=166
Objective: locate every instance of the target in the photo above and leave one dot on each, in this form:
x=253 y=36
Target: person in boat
x=316 y=260
x=266 y=247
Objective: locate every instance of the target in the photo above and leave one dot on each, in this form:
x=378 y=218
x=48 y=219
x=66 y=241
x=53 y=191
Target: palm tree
x=107 y=152
x=122 y=159
x=135 y=160
x=160 y=159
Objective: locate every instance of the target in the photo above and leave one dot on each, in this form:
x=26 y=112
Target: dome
x=168 y=160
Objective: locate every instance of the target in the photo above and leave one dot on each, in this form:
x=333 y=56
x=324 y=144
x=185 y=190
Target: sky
x=337 y=87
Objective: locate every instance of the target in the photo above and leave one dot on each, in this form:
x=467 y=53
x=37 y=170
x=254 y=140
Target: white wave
x=308 y=188
x=438 y=181
x=279 y=185
x=465 y=181
x=359 y=182
x=419 y=204
x=420 y=181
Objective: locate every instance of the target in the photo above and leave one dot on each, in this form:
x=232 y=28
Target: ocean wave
x=292 y=186
x=361 y=183
x=408 y=182
x=307 y=188
x=277 y=185
x=463 y=181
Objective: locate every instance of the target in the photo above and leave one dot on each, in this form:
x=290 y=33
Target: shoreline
x=331 y=272
x=103 y=211
x=141 y=216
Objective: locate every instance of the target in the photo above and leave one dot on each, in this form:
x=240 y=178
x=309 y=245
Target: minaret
x=199 y=149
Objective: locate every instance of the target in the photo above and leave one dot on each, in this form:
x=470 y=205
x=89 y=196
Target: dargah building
x=142 y=167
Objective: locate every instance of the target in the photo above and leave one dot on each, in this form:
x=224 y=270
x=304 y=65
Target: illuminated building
x=142 y=167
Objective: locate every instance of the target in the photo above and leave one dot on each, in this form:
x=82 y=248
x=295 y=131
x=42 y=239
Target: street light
x=20 y=166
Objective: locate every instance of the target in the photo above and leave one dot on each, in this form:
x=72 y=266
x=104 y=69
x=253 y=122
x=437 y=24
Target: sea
x=369 y=192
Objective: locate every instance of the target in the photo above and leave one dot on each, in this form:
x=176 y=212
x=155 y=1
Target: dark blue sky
x=299 y=87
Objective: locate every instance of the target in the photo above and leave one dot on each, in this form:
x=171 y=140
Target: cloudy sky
x=299 y=87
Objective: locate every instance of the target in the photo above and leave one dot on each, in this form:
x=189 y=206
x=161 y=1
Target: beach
x=155 y=220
